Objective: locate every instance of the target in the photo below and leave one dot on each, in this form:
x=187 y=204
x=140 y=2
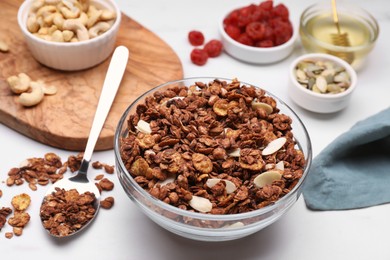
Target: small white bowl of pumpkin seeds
x=321 y=83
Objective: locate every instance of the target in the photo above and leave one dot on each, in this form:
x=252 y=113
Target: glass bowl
x=316 y=28
x=205 y=226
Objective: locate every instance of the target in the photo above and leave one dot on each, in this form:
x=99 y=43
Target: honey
x=317 y=27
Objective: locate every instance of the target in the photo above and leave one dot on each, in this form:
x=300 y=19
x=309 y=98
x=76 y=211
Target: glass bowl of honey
x=357 y=29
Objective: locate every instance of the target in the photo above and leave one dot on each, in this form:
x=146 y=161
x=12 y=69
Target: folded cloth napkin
x=354 y=170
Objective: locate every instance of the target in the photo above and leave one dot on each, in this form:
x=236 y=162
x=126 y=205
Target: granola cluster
x=218 y=147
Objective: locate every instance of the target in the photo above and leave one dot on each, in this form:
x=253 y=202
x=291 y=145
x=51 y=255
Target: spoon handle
x=111 y=84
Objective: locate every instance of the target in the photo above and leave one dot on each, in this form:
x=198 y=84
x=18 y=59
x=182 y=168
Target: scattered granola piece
x=106 y=184
x=107 y=203
x=4 y=212
x=21 y=202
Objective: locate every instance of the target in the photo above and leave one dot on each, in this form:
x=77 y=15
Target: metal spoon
x=80 y=181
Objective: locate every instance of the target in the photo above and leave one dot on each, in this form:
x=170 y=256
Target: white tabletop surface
x=125 y=233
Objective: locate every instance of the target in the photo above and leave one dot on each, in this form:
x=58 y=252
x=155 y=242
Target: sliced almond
x=235 y=225
x=279 y=166
x=274 y=146
x=166 y=101
x=200 y=204
x=230 y=187
x=234 y=153
x=170 y=179
x=267 y=178
x=143 y=127
x=265 y=106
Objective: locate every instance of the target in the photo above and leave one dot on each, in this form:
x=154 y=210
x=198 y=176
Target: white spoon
x=80 y=181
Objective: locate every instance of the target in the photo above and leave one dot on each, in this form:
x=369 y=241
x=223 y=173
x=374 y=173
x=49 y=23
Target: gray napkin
x=354 y=170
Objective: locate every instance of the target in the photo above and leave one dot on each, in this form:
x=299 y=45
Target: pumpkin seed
x=301 y=75
x=322 y=84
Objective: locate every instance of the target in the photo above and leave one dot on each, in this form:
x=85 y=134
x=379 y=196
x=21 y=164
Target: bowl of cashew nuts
x=69 y=35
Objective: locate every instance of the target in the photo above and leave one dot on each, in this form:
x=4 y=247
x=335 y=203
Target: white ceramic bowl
x=71 y=56
x=257 y=55
x=203 y=226
x=319 y=102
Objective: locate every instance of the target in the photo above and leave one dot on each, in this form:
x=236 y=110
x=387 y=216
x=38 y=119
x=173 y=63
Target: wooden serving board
x=64 y=120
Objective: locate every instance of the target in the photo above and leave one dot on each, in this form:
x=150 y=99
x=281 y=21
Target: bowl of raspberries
x=258 y=33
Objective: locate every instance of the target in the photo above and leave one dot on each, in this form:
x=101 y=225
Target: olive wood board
x=64 y=119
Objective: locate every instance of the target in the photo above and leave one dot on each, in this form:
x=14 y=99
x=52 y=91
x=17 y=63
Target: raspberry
x=265 y=44
x=196 y=38
x=267 y=5
x=255 y=30
x=233 y=31
x=245 y=39
x=199 y=56
x=281 y=11
x=213 y=48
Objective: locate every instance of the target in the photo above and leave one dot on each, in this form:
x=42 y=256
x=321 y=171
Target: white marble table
x=125 y=233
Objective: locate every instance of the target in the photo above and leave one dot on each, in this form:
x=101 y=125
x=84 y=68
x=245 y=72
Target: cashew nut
x=46 y=10
x=107 y=15
x=57 y=36
x=70 y=13
x=83 y=18
x=43 y=36
x=52 y=29
x=20 y=83
x=98 y=29
x=68 y=35
x=67 y=3
x=58 y=20
x=3 y=46
x=94 y=15
x=48 y=19
x=49 y=90
x=32 y=98
x=52 y=2
x=84 y=5
x=32 y=24
x=77 y=27
x=36 y=5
